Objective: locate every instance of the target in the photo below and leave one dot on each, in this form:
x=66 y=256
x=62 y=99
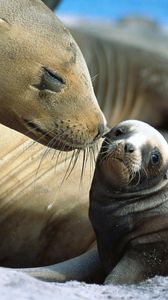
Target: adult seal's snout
x=45 y=87
x=102 y=131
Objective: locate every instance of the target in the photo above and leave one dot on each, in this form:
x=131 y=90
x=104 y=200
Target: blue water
x=114 y=9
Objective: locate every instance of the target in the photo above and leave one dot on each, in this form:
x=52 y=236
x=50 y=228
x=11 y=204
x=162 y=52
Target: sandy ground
x=16 y=285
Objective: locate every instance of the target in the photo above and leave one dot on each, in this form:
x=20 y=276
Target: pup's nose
x=129 y=148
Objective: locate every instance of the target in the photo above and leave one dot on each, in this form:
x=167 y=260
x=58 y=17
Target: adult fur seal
x=47 y=94
x=129 y=203
x=45 y=87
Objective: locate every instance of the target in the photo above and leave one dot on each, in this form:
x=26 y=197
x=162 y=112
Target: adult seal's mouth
x=65 y=137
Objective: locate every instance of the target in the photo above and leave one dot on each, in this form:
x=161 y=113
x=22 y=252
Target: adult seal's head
x=45 y=88
x=128 y=203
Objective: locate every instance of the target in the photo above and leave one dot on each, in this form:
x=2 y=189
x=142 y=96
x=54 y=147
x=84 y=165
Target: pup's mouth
x=112 y=154
x=119 y=159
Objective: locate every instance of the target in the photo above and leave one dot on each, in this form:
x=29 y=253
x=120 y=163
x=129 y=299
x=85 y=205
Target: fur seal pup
x=129 y=203
x=45 y=87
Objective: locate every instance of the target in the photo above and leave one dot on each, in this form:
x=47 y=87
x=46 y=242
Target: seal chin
x=116 y=172
x=119 y=166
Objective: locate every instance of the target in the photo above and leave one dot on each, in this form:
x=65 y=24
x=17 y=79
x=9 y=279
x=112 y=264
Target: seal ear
x=4 y=24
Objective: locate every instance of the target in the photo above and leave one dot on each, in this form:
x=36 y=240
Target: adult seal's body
x=45 y=88
x=45 y=93
x=129 y=203
x=129 y=73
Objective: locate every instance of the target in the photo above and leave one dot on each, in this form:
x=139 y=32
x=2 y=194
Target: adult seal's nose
x=103 y=129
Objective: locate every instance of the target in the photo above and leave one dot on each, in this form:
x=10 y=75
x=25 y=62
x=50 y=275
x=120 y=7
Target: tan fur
x=32 y=39
x=39 y=220
x=42 y=222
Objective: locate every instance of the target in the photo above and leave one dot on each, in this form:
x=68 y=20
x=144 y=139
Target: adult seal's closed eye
x=45 y=88
x=128 y=203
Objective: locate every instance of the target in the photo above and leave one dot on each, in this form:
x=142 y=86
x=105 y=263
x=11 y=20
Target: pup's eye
x=155 y=159
x=119 y=131
x=50 y=81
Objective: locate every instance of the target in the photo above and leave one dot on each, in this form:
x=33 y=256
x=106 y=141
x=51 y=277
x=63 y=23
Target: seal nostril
x=102 y=131
x=129 y=148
